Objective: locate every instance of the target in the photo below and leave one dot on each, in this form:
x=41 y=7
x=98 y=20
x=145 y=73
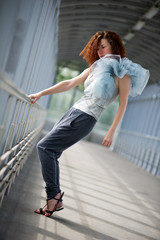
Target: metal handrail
x=19 y=136
x=8 y=86
x=146 y=136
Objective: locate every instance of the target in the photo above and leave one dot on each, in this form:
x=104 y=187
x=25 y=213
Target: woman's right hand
x=34 y=97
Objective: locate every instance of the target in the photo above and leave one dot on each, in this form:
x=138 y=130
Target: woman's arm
x=124 y=86
x=61 y=87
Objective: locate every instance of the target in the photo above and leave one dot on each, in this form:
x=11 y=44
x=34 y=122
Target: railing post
x=19 y=137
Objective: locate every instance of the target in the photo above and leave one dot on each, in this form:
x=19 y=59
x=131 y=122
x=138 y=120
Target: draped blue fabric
x=100 y=85
x=104 y=71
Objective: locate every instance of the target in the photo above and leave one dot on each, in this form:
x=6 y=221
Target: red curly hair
x=90 y=50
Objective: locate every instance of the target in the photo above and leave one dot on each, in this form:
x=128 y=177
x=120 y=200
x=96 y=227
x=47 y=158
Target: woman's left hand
x=107 y=141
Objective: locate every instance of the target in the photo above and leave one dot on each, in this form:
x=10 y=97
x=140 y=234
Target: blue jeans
x=72 y=127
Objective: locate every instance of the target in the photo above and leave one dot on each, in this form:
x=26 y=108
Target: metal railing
x=142 y=149
x=20 y=126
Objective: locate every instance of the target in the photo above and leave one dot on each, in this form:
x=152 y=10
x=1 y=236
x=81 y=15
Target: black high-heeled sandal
x=55 y=207
x=40 y=210
x=56 y=210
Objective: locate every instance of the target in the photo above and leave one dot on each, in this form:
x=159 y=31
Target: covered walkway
x=106 y=197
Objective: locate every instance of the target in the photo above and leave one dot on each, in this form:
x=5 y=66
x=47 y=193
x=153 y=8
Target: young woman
x=109 y=74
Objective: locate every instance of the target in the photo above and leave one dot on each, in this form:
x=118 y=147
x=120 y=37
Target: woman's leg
x=50 y=168
x=71 y=128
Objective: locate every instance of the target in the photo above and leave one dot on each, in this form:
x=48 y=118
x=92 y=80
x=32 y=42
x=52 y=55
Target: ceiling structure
x=136 y=21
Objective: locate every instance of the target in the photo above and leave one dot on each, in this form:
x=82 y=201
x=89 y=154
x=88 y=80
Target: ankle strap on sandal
x=58 y=199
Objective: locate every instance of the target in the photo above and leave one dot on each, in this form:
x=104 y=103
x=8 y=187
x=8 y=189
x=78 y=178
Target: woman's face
x=104 y=48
